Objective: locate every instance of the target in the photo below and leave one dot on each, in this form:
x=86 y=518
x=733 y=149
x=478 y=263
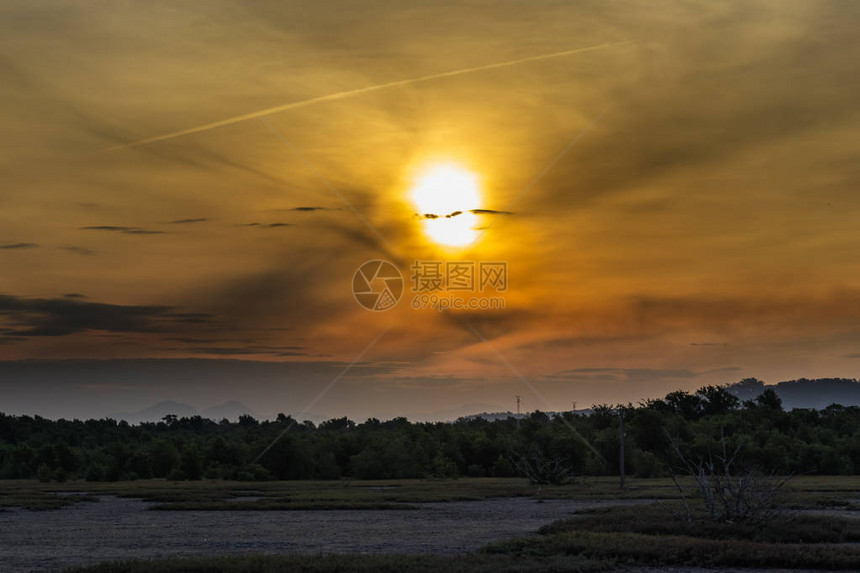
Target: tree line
x=189 y=448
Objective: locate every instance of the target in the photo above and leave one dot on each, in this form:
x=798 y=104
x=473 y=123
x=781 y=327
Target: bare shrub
x=541 y=469
x=728 y=493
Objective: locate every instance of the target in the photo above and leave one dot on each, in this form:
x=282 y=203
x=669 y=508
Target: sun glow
x=445 y=196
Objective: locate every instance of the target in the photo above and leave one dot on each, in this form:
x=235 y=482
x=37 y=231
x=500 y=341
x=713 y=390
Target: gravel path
x=118 y=528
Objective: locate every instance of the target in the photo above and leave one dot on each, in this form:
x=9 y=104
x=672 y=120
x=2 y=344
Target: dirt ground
x=120 y=528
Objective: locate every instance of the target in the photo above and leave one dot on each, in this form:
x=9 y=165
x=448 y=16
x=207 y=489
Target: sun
x=446 y=196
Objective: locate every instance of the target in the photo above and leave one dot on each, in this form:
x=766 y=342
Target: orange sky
x=703 y=230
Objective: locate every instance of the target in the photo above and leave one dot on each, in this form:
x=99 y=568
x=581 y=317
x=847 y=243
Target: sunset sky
x=672 y=184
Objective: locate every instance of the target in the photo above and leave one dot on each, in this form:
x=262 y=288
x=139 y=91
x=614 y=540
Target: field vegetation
x=706 y=466
x=561 y=445
x=596 y=540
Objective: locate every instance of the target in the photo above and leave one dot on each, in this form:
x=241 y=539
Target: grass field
x=599 y=540
x=801 y=492
x=591 y=541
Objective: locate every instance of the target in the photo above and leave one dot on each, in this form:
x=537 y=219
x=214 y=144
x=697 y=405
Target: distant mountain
x=747 y=389
x=803 y=393
x=493 y=416
x=456 y=412
x=157 y=412
x=230 y=410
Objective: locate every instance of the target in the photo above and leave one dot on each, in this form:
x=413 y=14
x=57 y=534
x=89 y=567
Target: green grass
x=38 y=500
x=342 y=493
x=801 y=492
x=288 y=495
x=657 y=520
x=650 y=536
x=677 y=550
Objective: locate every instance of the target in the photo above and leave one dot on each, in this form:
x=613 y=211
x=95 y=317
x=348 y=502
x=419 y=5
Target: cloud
x=34 y=317
x=283 y=296
x=195 y=155
x=457 y=213
x=60 y=107
x=567 y=342
x=490 y=324
x=232 y=346
x=266 y=225
x=187 y=221
x=764 y=311
x=364 y=238
x=287 y=351
x=620 y=374
x=124 y=230
x=754 y=60
x=79 y=250
x=489 y=212
x=688 y=115
x=632 y=375
x=364 y=90
x=11 y=246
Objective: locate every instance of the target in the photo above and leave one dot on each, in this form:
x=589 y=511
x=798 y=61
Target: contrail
x=359 y=91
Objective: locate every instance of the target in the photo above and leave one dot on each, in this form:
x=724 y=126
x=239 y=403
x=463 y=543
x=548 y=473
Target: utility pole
x=518 y=413
x=621 y=445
